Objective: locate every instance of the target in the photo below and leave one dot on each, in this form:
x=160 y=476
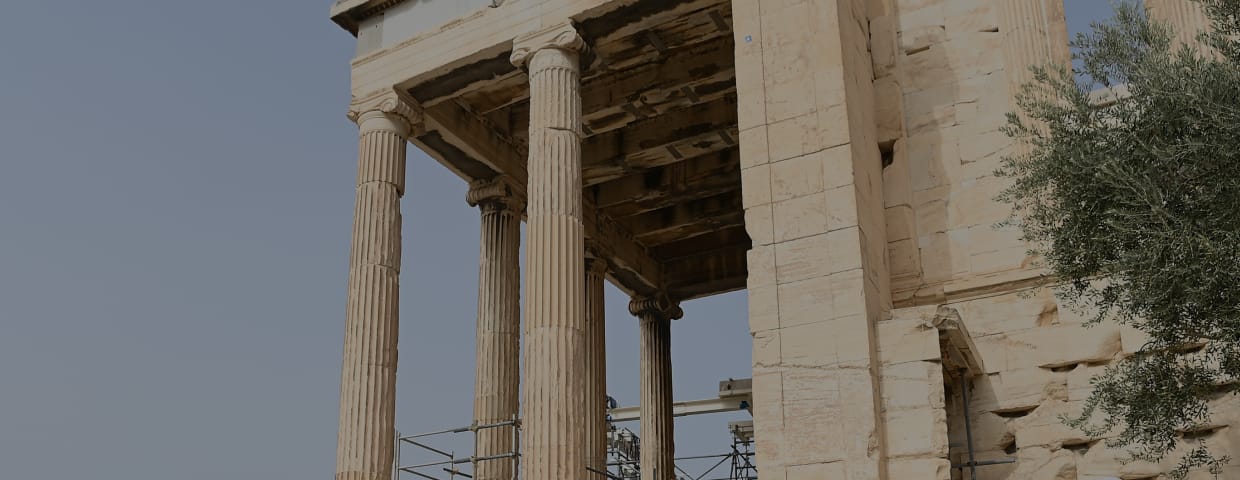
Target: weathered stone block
x=761 y=266
x=753 y=147
x=933 y=160
x=794 y=137
x=800 y=217
x=883 y=45
x=796 y=177
x=760 y=224
x=1079 y=378
x=1043 y=427
x=889 y=106
x=841 y=207
x=929 y=110
x=917 y=432
x=907 y=341
x=837 y=166
x=913 y=385
x=1039 y=463
x=756 y=186
x=903 y=259
x=921 y=24
x=919 y=469
x=786 y=53
x=1015 y=391
x=805 y=301
x=808 y=345
x=816 y=471
x=766 y=348
x=970 y=16
x=763 y=309
x=1062 y=345
x=901 y=224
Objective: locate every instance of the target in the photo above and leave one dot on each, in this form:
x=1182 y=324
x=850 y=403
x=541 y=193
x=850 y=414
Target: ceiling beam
x=669 y=138
x=633 y=268
x=698 y=177
x=688 y=219
x=696 y=73
x=709 y=273
x=687 y=247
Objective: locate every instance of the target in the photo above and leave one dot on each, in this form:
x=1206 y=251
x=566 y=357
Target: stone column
x=658 y=449
x=366 y=441
x=497 y=379
x=596 y=366
x=1034 y=33
x=552 y=405
x=1187 y=17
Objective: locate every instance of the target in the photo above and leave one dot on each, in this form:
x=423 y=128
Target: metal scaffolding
x=447 y=460
x=437 y=458
x=624 y=457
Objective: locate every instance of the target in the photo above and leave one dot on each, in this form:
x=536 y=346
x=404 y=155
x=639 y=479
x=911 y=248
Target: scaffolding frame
x=450 y=462
x=624 y=457
x=623 y=446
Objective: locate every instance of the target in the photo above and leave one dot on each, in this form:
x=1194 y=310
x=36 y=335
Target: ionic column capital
x=496 y=194
x=597 y=265
x=560 y=37
x=655 y=308
x=386 y=110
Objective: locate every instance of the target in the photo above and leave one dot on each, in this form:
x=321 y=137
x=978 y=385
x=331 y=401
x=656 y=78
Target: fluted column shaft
x=1187 y=17
x=596 y=366
x=366 y=442
x=553 y=408
x=1034 y=34
x=658 y=445
x=497 y=379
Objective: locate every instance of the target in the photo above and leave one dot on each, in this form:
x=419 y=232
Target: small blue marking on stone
x=748 y=38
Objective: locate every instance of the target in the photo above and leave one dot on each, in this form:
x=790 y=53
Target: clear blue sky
x=176 y=189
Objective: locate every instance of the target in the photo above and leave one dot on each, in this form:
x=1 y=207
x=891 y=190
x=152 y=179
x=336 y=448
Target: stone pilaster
x=1034 y=34
x=596 y=366
x=497 y=379
x=366 y=441
x=553 y=406
x=1187 y=17
x=658 y=447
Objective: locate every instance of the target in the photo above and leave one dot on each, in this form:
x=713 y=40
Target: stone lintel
x=350 y=13
x=955 y=341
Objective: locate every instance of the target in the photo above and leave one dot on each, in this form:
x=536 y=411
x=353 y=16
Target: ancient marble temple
x=832 y=158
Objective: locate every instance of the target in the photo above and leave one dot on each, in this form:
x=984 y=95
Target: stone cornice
x=351 y=13
x=498 y=193
x=559 y=37
x=390 y=104
x=655 y=308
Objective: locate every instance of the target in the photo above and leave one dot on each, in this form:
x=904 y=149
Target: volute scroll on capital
x=562 y=37
x=597 y=265
x=495 y=194
x=654 y=308
x=390 y=105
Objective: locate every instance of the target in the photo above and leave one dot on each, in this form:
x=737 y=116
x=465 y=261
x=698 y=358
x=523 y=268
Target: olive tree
x=1133 y=208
